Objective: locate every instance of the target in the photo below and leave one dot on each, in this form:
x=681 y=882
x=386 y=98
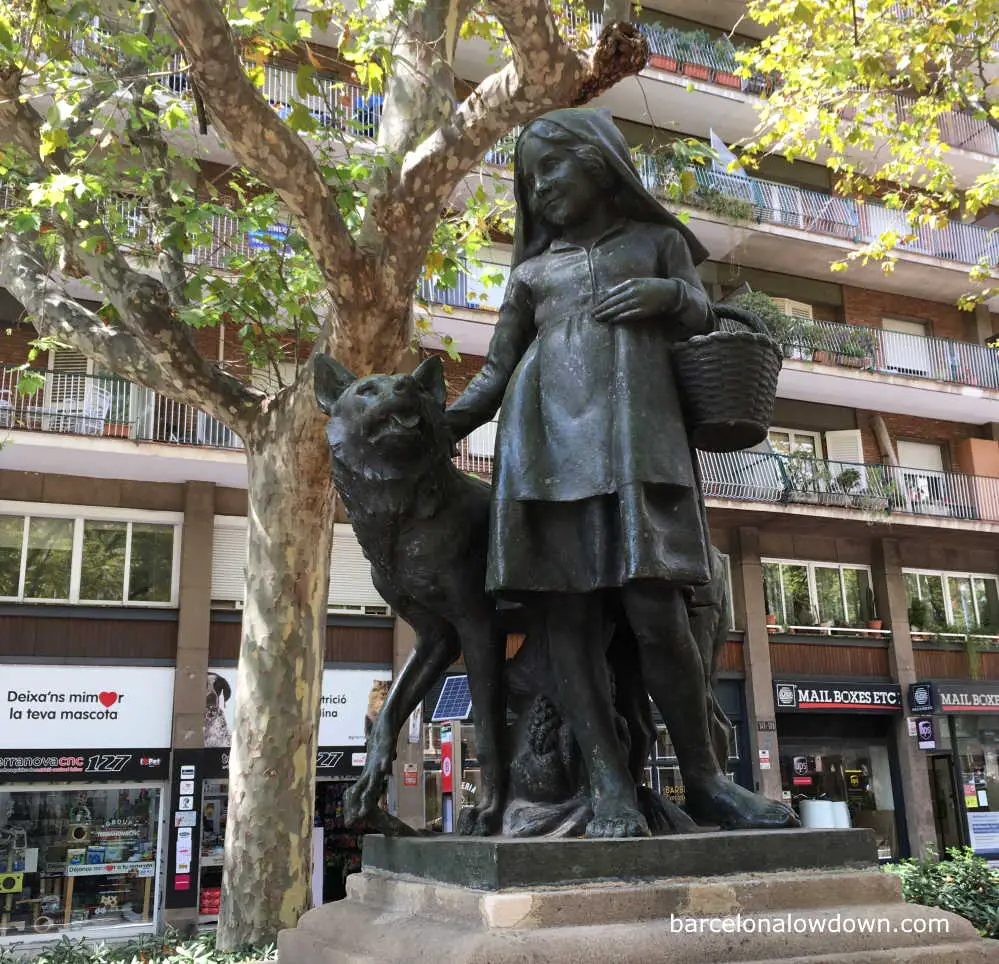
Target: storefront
x=84 y=759
x=961 y=740
x=200 y=789
x=838 y=757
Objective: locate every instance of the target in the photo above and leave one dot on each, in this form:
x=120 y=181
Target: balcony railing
x=820 y=213
x=775 y=478
x=890 y=353
x=76 y=404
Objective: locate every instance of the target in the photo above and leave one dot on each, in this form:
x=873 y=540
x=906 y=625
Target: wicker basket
x=728 y=382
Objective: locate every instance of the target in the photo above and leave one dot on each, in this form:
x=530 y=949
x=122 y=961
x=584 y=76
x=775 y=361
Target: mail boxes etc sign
x=85 y=722
x=835 y=697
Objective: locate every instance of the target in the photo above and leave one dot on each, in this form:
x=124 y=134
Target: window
x=952 y=601
x=794 y=442
x=813 y=594
x=103 y=561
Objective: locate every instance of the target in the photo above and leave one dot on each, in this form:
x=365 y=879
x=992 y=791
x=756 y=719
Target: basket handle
x=748 y=318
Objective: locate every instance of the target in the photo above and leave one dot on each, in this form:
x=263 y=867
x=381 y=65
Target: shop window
x=78 y=861
x=952 y=602
x=806 y=595
x=77 y=560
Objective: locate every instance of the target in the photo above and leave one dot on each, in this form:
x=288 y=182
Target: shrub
x=167 y=948
x=963 y=884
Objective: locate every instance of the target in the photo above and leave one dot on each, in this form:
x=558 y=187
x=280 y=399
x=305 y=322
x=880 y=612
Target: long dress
x=594 y=480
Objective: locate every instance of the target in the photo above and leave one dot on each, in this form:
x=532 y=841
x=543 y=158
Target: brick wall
x=864 y=307
x=458 y=372
x=916 y=429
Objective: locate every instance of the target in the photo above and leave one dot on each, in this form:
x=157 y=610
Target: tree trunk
x=272 y=764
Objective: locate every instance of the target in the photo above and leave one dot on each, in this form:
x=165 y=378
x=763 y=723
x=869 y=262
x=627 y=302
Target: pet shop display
x=73 y=859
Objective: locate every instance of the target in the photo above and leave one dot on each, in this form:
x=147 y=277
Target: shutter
x=846 y=447
x=229 y=545
x=351 y=588
x=66 y=382
x=920 y=455
x=796 y=309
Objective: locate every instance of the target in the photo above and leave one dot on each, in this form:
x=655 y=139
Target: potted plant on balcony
x=693 y=49
x=855 y=349
x=839 y=492
x=726 y=64
x=871 y=612
x=772 y=626
x=662 y=46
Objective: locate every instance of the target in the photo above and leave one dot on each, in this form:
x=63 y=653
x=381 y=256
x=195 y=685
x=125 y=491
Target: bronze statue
x=597 y=513
x=595 y=524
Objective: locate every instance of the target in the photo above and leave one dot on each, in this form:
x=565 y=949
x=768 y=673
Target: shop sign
x=967 y=697
x=87 y=707
x=983 y=832
x=74 y=763
x=350 y=700
x=920 y=698
x=838 y=697
x=926 y=733
x=139 y=869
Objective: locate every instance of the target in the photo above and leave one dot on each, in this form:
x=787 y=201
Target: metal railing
x=887 y=352
x=339 y=105
x=774 y=478
x=69 y=403
x=821 y=213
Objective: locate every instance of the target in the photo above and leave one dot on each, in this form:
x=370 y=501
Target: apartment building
x=861 y=673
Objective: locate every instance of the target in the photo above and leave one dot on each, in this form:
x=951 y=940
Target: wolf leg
x=483 y=644
x=436 y=648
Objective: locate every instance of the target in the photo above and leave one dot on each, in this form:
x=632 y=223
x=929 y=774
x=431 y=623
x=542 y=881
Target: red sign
x=801 y=781
x=182 y=882
x=447 y=760
x=409 y=775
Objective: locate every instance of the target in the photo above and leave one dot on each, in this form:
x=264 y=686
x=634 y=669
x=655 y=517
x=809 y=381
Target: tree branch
x=265 y=144
x=149 y=357
x=545 y=73
x=170 y=363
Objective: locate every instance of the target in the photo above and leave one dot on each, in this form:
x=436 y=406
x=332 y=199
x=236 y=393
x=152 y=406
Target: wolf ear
x=429 y=375
x=331 y=381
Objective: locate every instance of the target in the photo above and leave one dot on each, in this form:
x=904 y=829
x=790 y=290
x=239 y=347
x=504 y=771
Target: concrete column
x=747 y=574
x=410 y=806
x=893 y=607
x=983 y=323
x=195 y=615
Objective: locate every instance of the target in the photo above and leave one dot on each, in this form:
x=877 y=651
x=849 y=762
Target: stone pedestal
x=794 y=895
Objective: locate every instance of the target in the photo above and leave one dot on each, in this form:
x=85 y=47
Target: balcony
x=106 y=407
x=885 y=490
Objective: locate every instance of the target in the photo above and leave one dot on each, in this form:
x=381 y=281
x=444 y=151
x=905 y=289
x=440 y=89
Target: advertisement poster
x=350 y=699
x=983 y=832
x=85 y=722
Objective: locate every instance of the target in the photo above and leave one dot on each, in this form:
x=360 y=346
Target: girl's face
x=562 y=189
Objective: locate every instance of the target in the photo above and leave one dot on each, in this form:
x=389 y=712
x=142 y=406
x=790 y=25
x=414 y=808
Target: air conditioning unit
x=796 y=309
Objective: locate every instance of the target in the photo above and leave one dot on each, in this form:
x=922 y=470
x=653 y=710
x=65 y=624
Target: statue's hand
x=640 y=299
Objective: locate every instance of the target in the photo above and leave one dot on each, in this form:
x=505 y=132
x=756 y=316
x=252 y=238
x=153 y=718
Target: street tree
x=113 y=246
x=881 y=92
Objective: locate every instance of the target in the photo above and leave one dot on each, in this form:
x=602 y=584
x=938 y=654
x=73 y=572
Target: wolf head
x=384 y=427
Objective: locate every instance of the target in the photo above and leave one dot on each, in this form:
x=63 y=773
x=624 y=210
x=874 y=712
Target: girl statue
x=597 y=513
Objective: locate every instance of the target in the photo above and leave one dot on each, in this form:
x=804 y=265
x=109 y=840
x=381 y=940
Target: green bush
x=962 y=883
x=166 y=948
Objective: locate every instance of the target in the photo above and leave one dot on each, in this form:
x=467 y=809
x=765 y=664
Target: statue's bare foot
x=718 y=800
x=623 y=821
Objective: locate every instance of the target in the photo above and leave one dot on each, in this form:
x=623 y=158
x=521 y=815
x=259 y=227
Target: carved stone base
x=810 y=896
